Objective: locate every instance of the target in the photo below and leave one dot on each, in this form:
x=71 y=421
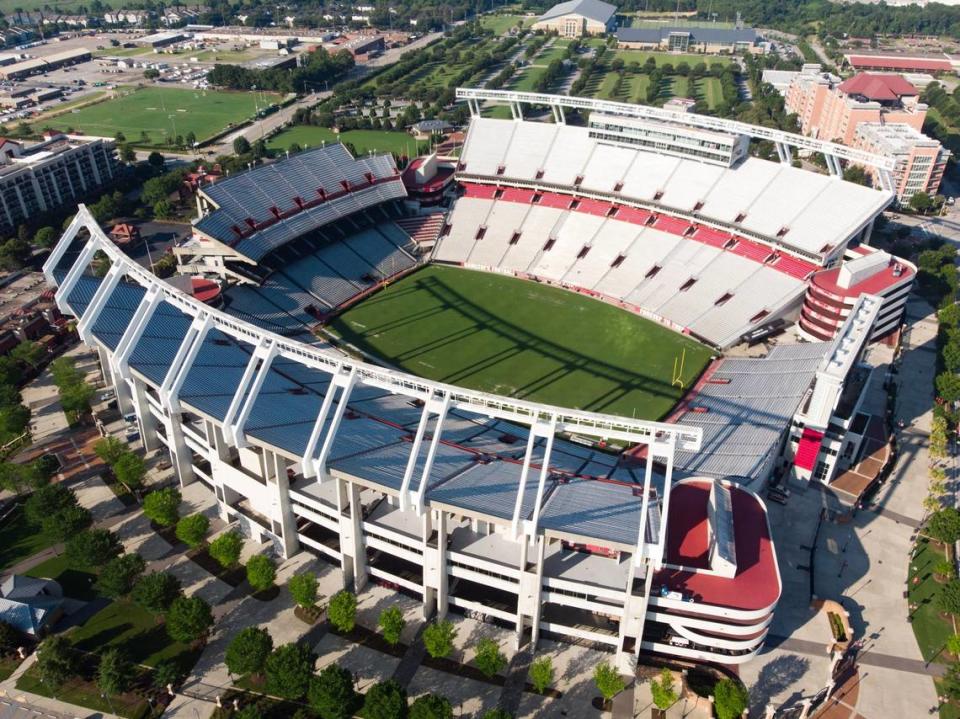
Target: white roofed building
x=576 y=18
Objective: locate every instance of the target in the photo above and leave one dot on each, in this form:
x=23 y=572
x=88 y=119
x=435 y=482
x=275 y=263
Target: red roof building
x=879 y=88
x=899 y=63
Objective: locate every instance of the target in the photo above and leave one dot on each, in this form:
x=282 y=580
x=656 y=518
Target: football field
x=523 y=339
x=156 y=115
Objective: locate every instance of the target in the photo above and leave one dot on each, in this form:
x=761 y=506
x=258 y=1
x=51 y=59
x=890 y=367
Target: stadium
x=513 y=383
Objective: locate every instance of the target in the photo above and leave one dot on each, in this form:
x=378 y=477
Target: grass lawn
x=77 y=582
x=19 y=540
x=85 y=693
x=127 y=625
x=663 y=58
x=557 y=51
x=929 y=626
x=124 y=51
x=363 y=140
x=163 y=112
x=710 y=89
x=500 y=24
x=220 y=55
x=525 y=81
x=8 y=665
x=514 y=337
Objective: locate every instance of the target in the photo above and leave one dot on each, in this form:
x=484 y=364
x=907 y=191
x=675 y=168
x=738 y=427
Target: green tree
x=541 y=674
x=191 y=138
x=130 y=469
x=664 y=695
x=303 y=589
x=438 y=638
x=342 y=611
x=29 y=353
x=289 y=669
x=385 y=700
x=730 y=699
x=45 y=237
x=944 y=525
x=67 y=522
x=949 y=599
x=331 y=693
x=489 y=659
x=226 y=548
x=21 y=478
x=119 y=575
x=952 y=644
x=128 y=154
x=109 y=449
x=93 y=547
x=115 y=672
x=608 y=680
x=57 y=660
x=921 y=202
x=156 y=161
x=167 y=672
x=10 y=638
x=188 y=619
x=163 y=506
x=248 y=651
x=163 y=209
x=261 y=572
x=391 y=623
x=191 y=530
x=948 y=386
x=151 y=73
x=241 y=146
x=431 y=706
x=156 y=591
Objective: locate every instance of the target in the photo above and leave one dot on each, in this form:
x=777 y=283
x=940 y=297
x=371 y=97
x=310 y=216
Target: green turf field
x=163 y=112
x=519 y=338
x=362 y=140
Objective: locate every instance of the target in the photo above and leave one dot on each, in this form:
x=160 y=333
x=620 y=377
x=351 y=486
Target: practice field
x=363 y=141
x=163 y=113
x=523 y=339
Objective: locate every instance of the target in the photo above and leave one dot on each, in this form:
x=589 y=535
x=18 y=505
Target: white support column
x=63 y=244
x=563 y=117
x=531 y=528
x=279 y=485
x=352 y=548
x=131 y=336
x=306 y=461
x=236 y=403
x=415 y=453
x=145 y=419
x=668 y=454
x=73 y=276
x=524 y=472
x=435 y=591
x=638 y=555
x=97 y=303
x=320 y=464
x=266 y=353
x=519 y=111
x=441 y=412
x=187 y=352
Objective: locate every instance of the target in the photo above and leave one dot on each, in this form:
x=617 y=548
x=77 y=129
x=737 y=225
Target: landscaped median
x=933 y=594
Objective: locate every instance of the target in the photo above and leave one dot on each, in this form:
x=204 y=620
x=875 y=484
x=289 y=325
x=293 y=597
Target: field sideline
x=523 y=339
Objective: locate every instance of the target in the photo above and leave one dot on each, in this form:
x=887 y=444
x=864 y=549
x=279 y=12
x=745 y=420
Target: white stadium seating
x=715 y=293
x=786 y=206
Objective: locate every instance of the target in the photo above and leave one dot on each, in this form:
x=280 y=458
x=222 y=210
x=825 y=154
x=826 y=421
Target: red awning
x=809 y=448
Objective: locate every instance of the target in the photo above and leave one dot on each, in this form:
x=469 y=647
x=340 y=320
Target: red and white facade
x=832 y=294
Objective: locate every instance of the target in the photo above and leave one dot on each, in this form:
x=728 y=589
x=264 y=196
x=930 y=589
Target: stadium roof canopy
x=472 y=465
x=257 y=211
x=743 y=409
